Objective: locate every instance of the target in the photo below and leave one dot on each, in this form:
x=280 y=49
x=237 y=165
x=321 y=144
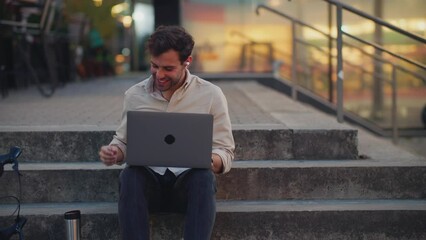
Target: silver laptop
x=169 y=139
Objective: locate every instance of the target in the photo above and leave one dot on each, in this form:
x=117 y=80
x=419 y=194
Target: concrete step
x=248 y=180
x=252 y=142
x=320 y=219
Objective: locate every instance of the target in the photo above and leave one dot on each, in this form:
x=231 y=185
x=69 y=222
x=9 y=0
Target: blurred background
x=79 y=40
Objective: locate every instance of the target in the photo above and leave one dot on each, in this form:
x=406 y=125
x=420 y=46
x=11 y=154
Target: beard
x=167 y=83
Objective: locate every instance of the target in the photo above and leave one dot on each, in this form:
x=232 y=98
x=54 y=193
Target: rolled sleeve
x=120 y=136
x=226 y=157
x=223 y=140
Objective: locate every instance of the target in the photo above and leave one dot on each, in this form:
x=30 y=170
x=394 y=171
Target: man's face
x=168 y=71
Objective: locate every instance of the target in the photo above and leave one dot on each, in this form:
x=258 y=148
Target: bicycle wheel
x=36 y=67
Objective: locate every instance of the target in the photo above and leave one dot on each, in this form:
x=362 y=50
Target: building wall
x=223 y=29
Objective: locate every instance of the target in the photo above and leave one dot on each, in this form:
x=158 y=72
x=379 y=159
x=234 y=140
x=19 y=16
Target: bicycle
x=30 y=37
x=18 y=225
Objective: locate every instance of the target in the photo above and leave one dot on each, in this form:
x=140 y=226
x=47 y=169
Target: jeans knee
x=133 y=180
x=202 y=178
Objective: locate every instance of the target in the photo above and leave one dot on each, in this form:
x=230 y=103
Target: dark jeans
x=142 y=191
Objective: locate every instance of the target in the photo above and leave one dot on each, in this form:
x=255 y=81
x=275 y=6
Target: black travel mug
x=72 y=225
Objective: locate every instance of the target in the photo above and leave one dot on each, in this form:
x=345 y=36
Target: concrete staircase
x=298 y=174
x=285 y=184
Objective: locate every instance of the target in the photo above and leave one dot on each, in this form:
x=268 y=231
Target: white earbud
x=187 y=63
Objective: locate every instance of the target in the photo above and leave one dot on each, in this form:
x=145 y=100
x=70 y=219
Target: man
x=171 y=88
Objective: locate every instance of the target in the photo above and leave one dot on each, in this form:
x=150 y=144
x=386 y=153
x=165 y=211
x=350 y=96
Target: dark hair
x=166 y=38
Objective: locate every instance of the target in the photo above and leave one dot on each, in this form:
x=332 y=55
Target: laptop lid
x=165 y=139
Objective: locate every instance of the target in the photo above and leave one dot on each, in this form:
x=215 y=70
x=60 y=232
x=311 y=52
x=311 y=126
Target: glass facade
x=231 y=37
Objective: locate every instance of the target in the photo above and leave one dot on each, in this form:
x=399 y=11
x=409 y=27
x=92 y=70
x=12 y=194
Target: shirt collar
x=187 y=80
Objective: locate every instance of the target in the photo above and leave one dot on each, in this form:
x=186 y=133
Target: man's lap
x=168 y=193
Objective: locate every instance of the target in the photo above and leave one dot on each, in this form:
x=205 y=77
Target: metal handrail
x=378 y=58
x=377 y=20
x=339 y=12
x=347 y=34
x=290 y=18
x=414 y=74
x=422 y=66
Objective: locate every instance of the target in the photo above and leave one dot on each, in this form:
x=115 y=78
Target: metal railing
x=340 y=7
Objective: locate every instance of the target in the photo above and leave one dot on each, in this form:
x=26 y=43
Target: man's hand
x=217 y=165
x=110 y=155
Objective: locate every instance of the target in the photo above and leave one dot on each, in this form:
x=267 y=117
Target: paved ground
x=96 y=105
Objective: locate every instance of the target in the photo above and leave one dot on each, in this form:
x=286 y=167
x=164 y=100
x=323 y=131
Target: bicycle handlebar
x=10 y=157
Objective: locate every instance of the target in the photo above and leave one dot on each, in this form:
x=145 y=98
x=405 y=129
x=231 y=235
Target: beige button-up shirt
x=194 y=96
